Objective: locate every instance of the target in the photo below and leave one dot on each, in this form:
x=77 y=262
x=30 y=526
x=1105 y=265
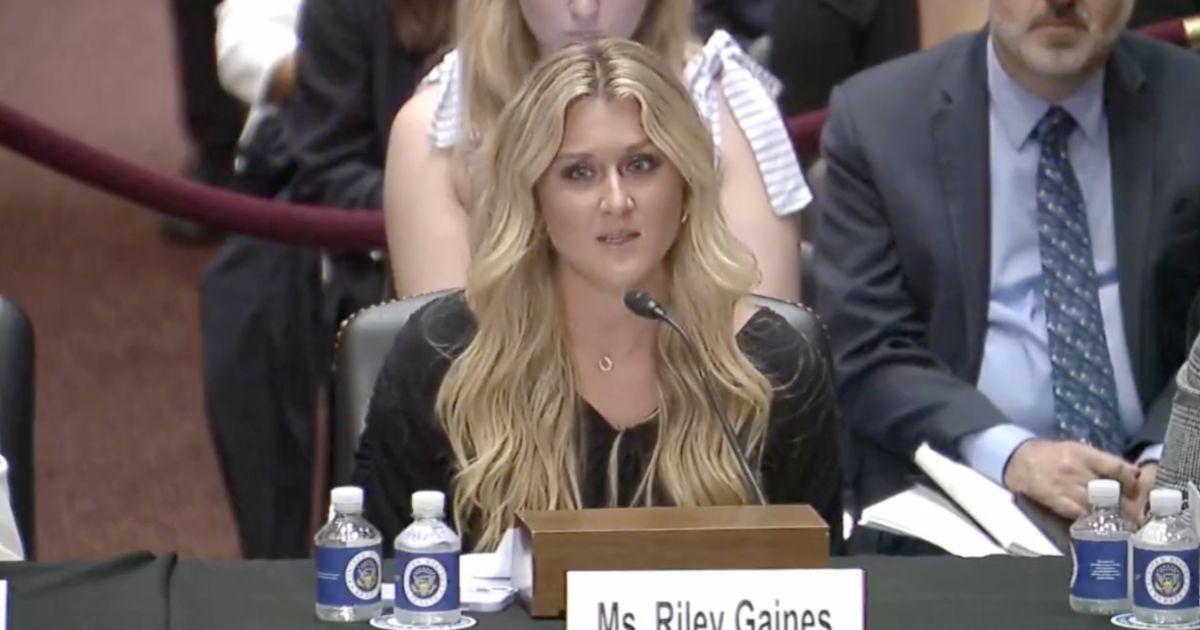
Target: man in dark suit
x=213 y=118
x=1009 y=241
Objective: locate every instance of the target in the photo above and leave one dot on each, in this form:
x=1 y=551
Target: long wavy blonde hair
x=497 y=51
x=509 y=403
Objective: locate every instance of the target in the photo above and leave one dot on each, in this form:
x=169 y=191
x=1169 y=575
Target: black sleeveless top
x=404 y=449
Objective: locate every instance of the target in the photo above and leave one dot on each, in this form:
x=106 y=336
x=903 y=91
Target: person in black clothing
x=817 y=44
x=746 y=20
x=359 y=61
x=212 y=117
x=269 y=311
x=535 y=388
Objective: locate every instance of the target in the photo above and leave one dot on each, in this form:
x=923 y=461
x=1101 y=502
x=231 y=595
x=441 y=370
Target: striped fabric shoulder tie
x=749 y=88
x=447 y=117
x=751 y=91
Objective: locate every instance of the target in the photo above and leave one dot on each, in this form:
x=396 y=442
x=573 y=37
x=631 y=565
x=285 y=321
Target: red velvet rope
x=291 y=223
x=1170 y=31
x=805 y=130
x=303 y=225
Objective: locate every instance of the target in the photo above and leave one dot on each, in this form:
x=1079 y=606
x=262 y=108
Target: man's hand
x=1135 y=506
x=1056 y=474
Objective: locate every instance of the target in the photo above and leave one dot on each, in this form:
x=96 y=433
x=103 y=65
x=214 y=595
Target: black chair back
x=16 y=415
x=366 y=338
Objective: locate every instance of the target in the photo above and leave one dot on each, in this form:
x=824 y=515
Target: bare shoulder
x=412 y=157
x=411 y=151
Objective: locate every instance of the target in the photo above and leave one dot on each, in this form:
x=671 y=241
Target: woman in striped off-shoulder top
x=428 y=183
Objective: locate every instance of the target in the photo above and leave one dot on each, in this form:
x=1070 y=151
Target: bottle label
x=349 y=576
x=1100 y=571
x=1165 y=580
x=427 y=582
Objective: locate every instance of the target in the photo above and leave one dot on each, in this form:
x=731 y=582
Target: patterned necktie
x=1085 y=392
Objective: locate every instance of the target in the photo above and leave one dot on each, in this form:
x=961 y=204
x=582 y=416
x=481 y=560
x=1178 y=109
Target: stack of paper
x=995 y=524
x=487 y=577
x=923 y=513
x=989 y=504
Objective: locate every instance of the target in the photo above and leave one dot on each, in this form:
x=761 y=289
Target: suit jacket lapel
x=961 y=140
x=1132 y=128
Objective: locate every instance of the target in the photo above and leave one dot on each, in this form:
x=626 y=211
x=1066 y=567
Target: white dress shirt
x=1016 y=372
x=253 y=37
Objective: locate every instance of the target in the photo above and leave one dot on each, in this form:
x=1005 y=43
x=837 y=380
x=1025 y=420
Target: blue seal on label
x=349 y=576
x=1165 y=580
x=427 y=582
x=1101 y=569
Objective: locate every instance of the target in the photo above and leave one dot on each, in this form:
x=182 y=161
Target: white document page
x=989 y=504
x=923 y=513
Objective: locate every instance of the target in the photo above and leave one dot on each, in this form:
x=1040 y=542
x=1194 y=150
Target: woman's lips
x=618 y=237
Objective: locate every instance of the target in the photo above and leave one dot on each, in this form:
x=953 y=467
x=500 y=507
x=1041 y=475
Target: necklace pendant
x=605 y=364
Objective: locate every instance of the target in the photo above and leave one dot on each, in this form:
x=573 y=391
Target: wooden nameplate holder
x=548 y=544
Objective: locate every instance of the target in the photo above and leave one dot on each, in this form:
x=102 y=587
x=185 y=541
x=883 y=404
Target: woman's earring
x=683 y=219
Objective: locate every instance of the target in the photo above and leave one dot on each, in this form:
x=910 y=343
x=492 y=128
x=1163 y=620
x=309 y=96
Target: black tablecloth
x=129 y=592
x=143 y=592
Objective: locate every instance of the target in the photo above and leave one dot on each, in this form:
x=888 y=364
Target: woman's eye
x=578 y=172
x=641 y=164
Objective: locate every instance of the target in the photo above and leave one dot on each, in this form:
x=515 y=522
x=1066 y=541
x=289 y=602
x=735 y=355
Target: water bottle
x=427 y=566
x=1165 y=557
x=1100 y=549
x=349 y=563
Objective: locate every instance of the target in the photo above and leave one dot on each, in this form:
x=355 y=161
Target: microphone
x=642 y=304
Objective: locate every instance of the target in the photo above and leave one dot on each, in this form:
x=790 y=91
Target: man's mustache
x=1072 y=13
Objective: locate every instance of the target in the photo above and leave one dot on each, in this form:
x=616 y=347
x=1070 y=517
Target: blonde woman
x=535 y=388
x=427 y=199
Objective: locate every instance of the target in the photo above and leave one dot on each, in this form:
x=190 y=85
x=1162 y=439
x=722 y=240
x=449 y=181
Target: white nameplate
x=760 y=599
